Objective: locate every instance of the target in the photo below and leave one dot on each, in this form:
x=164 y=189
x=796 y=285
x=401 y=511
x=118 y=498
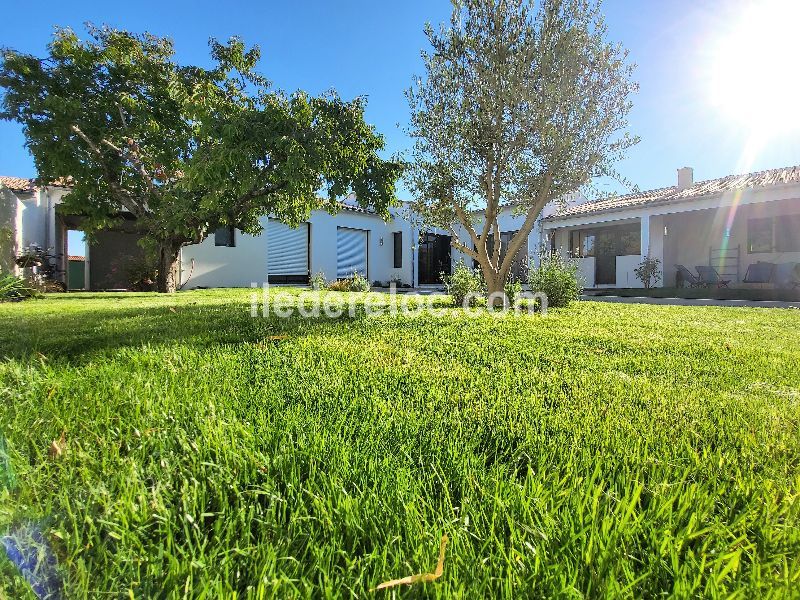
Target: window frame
x=770 y=221
x=786 y=233
x=229 y=240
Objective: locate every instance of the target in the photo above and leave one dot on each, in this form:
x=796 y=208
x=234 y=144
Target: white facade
x=712 y=229
x=29 y=216
x=247 y=262
x=507 y=222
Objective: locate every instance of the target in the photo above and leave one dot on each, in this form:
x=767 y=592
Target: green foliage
x=359 y=283
x=523 y=103
x=186 y=149
x=15 y=288
x=512 y=290
x=557 y=277
x=356 y=283
x=648 y=272
x=317 y=281
x=465 y=282
x=139 y=272
x=608 y=450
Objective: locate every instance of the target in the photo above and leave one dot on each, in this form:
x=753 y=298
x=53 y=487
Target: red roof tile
x=17 y=184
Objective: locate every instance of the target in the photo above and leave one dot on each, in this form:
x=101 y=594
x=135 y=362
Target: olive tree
x=521 y=105
x=185 y=149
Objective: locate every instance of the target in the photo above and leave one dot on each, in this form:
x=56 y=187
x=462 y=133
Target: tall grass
x=605 y=450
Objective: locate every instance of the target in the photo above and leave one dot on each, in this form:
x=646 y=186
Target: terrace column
x=645 y=237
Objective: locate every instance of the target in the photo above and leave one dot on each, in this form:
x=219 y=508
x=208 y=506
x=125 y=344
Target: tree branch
x=458 y=245
x=121 y=194
x=521 y=235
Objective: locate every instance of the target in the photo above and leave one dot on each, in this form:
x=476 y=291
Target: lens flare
x=753 y=74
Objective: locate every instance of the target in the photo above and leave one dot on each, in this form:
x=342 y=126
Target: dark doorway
x=605 y=269
x=434 y=257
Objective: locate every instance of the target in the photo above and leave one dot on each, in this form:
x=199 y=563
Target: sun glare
x=755 y=80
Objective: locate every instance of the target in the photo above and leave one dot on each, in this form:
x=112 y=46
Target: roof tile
x=673 y=194
x=17 y=184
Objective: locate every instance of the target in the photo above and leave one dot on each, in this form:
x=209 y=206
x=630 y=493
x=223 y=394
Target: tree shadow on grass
x=81 y=335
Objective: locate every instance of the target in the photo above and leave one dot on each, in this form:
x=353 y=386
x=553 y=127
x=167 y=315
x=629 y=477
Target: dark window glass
x=575 y=246
x=587 y=243
x=582 y=243
x=759 y=235
x=224 y=237
x=787 y=233
x=398 y=249
x=630 y=240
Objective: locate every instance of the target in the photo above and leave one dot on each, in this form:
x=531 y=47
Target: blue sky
x=372 y=48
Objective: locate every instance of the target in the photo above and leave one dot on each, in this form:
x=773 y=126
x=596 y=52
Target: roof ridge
x=707 y=187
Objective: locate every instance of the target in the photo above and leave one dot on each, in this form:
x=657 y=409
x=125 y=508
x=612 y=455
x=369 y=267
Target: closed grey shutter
x=287 y=251
x=351 y=252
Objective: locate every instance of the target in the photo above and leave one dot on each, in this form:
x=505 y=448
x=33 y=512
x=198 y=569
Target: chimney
x=685 y=178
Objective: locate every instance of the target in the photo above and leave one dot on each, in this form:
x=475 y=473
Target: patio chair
x=709 y=276
x=688 y=277
x=760 y=272
x=787 y=275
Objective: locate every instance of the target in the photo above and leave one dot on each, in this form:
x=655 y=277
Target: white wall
x=508 y=221
x=247 y=261
x=10 y=230
x=626 y=278
x=380 y=244
x=586 y=271
x=207 y=265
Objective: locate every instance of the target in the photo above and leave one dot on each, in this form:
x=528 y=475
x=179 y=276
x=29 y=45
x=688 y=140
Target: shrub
x=340 y=285
x=317 y=281
x=13 y=288
x=513 y=289
x=356 y=283
x=359 y=283
x=463 y=282
x=558 y=278
x=648 y=272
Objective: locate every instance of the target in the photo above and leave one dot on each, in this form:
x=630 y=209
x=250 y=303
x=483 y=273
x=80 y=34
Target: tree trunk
x=495 y=282
x=167 y=267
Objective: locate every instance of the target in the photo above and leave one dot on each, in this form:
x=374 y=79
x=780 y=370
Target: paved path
x=694 y=302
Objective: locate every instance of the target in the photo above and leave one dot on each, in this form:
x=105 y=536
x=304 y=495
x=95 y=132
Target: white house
x=27 y=217
x=354 y=240
x=729 y=224
x=336 y=246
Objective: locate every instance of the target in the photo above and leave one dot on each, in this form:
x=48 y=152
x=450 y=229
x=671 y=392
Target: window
x=787 y=233
x=759 y=235
x=224 y=237
x=398 y=249
x=617 y=240
x=630 y=240
x=581 y=243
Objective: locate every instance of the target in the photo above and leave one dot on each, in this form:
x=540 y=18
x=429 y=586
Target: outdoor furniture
x=709 y=276
x=787 y=275
x=760 y=272
x=688 y=277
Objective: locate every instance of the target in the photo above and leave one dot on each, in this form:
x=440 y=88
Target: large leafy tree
x=186 y=149
x=521 y=105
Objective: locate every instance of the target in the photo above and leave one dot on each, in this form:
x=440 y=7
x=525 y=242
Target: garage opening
x=351 y=252
x=76 y=260
x=287 y=252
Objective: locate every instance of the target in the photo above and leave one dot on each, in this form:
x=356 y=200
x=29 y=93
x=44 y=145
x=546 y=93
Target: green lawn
x=605 y=450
